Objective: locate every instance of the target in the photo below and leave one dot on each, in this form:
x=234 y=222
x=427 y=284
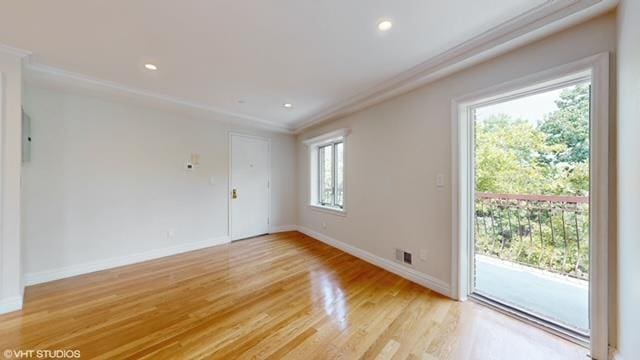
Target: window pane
x=325 y=159
x=340 y=174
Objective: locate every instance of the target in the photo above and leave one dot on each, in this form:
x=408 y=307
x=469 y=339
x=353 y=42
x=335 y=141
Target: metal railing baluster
x=577 y=240
x=549 y=212
x=564 y=236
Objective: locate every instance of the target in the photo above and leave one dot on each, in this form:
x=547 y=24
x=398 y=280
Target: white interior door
x=249 y=190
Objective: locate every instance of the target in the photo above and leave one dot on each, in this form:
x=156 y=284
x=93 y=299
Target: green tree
x=513 y=156
x=552 y=158
x=569 y=125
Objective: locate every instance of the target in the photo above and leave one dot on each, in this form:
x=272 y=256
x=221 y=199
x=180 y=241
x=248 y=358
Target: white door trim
x=230 y=182
x=462 y=184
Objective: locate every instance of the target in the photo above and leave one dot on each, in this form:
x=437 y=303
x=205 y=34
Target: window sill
x=328 y=210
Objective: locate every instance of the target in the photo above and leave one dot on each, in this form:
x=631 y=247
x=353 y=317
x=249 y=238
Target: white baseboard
x=10 y=304
x=80 y=269
x=283 y=228
x=398 y=269
x=391 y=266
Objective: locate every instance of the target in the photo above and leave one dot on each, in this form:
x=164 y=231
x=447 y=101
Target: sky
x=531 y=108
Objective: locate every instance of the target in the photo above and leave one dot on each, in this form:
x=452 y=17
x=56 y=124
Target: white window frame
x=314 y=144
x=597 y=68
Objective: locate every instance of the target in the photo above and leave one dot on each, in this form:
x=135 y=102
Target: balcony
x=532 y=252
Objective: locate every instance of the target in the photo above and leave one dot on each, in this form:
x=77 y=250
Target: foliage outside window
x=544 y=158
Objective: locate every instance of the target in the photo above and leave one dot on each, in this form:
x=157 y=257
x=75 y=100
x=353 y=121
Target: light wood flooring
x=281 y=296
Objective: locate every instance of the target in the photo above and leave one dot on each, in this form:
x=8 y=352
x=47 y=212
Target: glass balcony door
x=531 y=209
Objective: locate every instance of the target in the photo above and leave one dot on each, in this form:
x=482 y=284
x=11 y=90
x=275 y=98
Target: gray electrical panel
x=26 y=137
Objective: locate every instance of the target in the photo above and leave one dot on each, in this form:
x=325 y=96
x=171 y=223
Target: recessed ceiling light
x=287 y=105
x=385 y=25
x=150 y=67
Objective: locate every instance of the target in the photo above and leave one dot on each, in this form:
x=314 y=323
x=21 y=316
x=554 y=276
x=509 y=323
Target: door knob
x=234 y=194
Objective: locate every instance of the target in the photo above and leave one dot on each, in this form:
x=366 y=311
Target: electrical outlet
x=171 y=233
x=404 y=256
x=407 y=258
x=423 y=254
x=324 y=225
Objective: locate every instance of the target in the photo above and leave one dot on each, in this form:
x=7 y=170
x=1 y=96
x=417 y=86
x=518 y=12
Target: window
x=331 y=175
x=327 y=171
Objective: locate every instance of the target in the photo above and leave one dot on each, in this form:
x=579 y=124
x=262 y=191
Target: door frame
x=462 y=189
x=231 y=134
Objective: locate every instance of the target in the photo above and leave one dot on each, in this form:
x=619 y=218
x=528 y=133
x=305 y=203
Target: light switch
x=440 y=180
x=195 y=159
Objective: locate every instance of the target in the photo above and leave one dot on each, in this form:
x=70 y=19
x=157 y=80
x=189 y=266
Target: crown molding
x=10 y=50
x=40 y=73
x=543 y=20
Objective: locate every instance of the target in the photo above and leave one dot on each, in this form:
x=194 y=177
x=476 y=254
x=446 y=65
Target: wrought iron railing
x=545 y=232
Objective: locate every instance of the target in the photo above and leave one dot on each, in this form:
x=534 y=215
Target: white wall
x=628 y=264
x=11 y=287
x=107 y=179
x=396 y=149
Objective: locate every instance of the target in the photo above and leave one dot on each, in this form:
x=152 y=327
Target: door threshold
x=538 y=322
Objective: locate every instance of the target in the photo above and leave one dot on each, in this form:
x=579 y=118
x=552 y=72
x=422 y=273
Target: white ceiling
x=312 y=53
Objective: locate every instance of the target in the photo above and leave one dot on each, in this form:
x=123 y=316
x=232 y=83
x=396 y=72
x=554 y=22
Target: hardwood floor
x=282 y=296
